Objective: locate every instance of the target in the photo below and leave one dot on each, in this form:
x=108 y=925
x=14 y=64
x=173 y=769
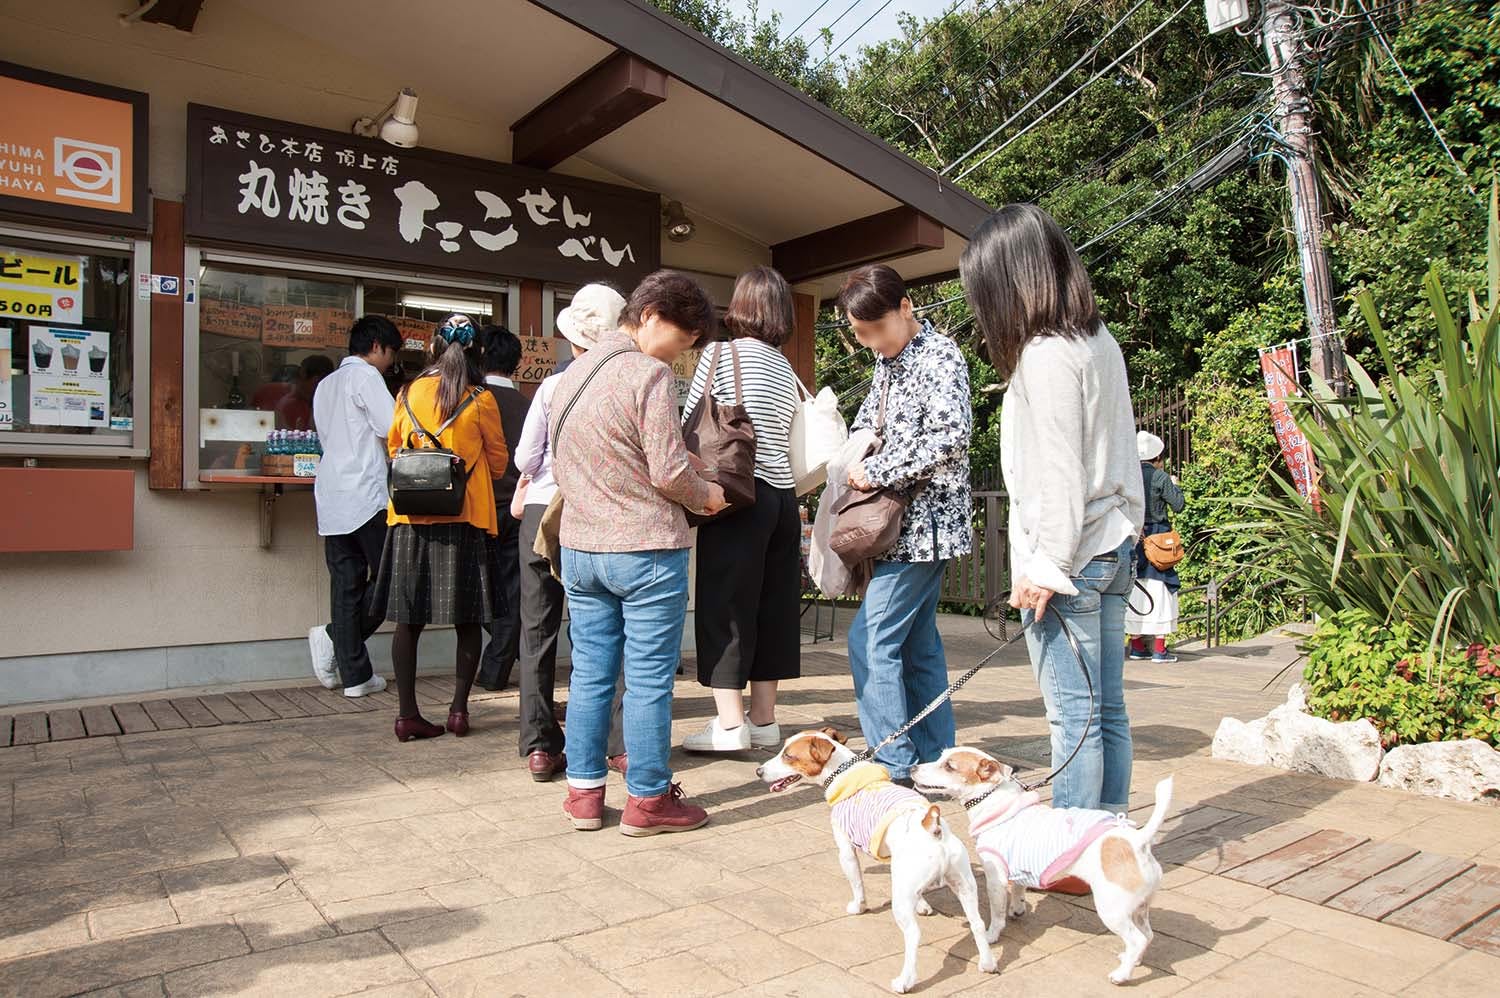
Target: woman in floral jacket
x=895 y=651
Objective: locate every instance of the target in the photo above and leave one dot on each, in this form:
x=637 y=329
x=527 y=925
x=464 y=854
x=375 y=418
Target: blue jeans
x=1099 y=777
x=897 y=659
x=626 y=607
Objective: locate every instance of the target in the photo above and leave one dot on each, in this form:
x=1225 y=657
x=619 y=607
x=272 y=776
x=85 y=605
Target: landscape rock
x=1464 y=770
x=1239 y=741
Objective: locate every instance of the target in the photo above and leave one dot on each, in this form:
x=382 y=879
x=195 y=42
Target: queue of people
x=580 y=498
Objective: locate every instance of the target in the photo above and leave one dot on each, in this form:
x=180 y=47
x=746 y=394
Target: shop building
x=189 y=222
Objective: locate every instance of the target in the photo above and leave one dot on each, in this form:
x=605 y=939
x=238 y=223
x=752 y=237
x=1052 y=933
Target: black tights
x=404 y=656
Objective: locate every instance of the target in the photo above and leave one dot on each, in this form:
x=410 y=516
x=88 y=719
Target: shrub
x=1358 y=668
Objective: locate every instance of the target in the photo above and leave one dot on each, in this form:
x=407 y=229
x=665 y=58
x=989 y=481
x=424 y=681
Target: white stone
x=1464 y=770
x=1238 y=741
x=1347 y=751
x=1296 y=698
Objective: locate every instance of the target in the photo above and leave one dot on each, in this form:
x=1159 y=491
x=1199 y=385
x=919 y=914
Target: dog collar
x=971 y=804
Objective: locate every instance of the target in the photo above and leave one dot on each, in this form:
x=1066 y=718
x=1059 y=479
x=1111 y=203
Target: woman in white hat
x=1159 y=618
x=594 y=312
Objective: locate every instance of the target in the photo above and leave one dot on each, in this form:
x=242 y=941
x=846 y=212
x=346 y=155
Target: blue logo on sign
x=169 y=285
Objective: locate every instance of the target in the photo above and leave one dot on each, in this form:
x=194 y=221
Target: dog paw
x=855 y=907
x=904 y=983
x=923 y=908
x=990 y=965
x=1119 y=976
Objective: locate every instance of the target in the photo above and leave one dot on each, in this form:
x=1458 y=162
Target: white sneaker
x=374 y=684
x=764 y=735
x=715 y=739
x=324 y=667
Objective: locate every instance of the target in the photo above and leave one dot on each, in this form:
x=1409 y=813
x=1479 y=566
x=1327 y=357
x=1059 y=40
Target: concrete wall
x=198 y=600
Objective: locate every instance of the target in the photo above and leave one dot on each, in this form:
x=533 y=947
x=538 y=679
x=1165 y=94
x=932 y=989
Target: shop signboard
x=223 y=317
x=72 y=150
x=274 y=184
x=540 y=356
x=33 y=286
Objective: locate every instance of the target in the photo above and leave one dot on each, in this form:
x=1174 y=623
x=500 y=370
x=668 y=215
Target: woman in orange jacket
x=434 y=569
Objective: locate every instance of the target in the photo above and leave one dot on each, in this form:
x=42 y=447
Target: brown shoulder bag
x=867 y=524
x=723 y=438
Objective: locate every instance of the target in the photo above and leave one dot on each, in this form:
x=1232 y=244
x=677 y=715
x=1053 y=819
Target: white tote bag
x=818 y=431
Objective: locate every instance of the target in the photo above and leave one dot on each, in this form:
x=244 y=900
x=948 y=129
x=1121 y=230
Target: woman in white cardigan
x=1067 y=450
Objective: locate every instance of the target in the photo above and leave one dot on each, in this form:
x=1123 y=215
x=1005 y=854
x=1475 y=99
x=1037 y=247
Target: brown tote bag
x=723 y=437
x=867 y=524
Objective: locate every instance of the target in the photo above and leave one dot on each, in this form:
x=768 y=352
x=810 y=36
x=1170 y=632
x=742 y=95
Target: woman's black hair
x=1024 y=279
x=457 y=368
x=872 y=292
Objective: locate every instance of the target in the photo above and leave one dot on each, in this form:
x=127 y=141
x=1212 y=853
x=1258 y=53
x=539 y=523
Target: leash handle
x=958 y=684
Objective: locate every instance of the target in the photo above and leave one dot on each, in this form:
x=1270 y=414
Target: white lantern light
x=1225 y=14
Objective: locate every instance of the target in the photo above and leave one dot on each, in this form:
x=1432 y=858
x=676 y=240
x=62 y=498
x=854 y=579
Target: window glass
x=418 y=309
x=266 y=338
x=66 y=348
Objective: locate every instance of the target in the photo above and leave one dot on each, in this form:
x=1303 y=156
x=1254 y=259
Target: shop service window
x=67 y=371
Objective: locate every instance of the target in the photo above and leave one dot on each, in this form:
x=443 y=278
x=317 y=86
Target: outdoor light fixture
x=396 y=123
x=436 y=303
x=679 y=227
x=1225 y=14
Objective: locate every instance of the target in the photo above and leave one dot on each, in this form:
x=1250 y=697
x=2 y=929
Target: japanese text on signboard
x=281 y=184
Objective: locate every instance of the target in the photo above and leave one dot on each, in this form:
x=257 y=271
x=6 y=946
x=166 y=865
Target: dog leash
x=958 y=684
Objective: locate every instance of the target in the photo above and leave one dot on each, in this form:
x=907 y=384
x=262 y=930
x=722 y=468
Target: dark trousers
x=505 y=630
x=541 y=602
x=747 y=618
x=353 y=561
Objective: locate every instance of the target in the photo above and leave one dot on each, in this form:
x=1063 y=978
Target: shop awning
x=737 y=147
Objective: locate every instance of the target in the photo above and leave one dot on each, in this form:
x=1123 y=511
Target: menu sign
x=270 y=183
x=229 y=318
x=41 y=287
x=539 y=358
x=304 y=327
x=69 y=377
x=71 y=149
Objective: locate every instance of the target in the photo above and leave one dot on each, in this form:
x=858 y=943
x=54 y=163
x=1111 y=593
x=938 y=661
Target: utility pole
x=1282 y=33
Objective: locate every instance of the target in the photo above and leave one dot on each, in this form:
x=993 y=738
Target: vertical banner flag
x=1278 y=366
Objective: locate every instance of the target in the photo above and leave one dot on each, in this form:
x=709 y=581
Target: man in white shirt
x=352 y=411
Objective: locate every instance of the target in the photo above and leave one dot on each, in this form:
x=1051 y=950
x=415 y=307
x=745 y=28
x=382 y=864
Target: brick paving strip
x=1438 y=896
x=209 y=710
x=1435 y=895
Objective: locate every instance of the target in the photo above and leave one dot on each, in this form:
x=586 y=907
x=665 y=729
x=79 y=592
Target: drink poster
x=7 y=413
x=69 y=377
x=1278 y=367
x=33 y=286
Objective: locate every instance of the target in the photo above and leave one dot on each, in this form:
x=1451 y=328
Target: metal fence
x=1165 y=414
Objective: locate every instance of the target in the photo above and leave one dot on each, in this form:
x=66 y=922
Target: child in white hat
x=1153 y=613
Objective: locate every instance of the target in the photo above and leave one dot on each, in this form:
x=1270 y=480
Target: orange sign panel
x=67 y=148
x=296 y=326
x=229 y=318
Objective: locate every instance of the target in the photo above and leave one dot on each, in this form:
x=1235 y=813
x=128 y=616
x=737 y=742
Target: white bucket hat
x=1148 y=446
x=594 y=311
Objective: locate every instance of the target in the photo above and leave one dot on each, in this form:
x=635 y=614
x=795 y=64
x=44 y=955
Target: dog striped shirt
x=865 y=802
x=1035 y=844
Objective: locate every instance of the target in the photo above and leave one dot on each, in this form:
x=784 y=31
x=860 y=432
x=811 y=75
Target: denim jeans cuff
x=585 y=782
x=648 y=793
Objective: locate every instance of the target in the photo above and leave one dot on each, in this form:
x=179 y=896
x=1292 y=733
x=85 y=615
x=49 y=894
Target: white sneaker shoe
x=715 y=739
x=324 y=667
x=374 y=684
x=764 y=735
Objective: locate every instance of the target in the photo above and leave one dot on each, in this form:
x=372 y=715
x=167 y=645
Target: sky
x=884 y=24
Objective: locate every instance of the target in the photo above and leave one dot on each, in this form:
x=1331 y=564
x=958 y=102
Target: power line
x=803 y=22
x=1048 y=113
x=834 y=51
x=1046 y=90
x=1413 y=91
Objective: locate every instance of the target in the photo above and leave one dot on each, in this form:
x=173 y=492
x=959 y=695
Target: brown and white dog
x=1024 y=843
x=889 y=822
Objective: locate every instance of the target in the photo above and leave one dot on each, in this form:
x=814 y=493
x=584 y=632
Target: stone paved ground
x=320 y=857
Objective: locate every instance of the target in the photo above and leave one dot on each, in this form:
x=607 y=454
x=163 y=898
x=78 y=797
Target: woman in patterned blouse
x=895 y=651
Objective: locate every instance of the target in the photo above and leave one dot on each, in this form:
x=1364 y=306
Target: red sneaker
x=662 y=813
x=586 y=808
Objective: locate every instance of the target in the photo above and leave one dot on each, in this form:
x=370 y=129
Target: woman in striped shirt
x=749 y=562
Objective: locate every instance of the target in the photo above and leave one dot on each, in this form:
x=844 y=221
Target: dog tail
x=932 y=822
x=1146 y=834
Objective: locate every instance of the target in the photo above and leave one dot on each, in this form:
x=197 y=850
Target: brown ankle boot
x=662 y=813
x=586 y=808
